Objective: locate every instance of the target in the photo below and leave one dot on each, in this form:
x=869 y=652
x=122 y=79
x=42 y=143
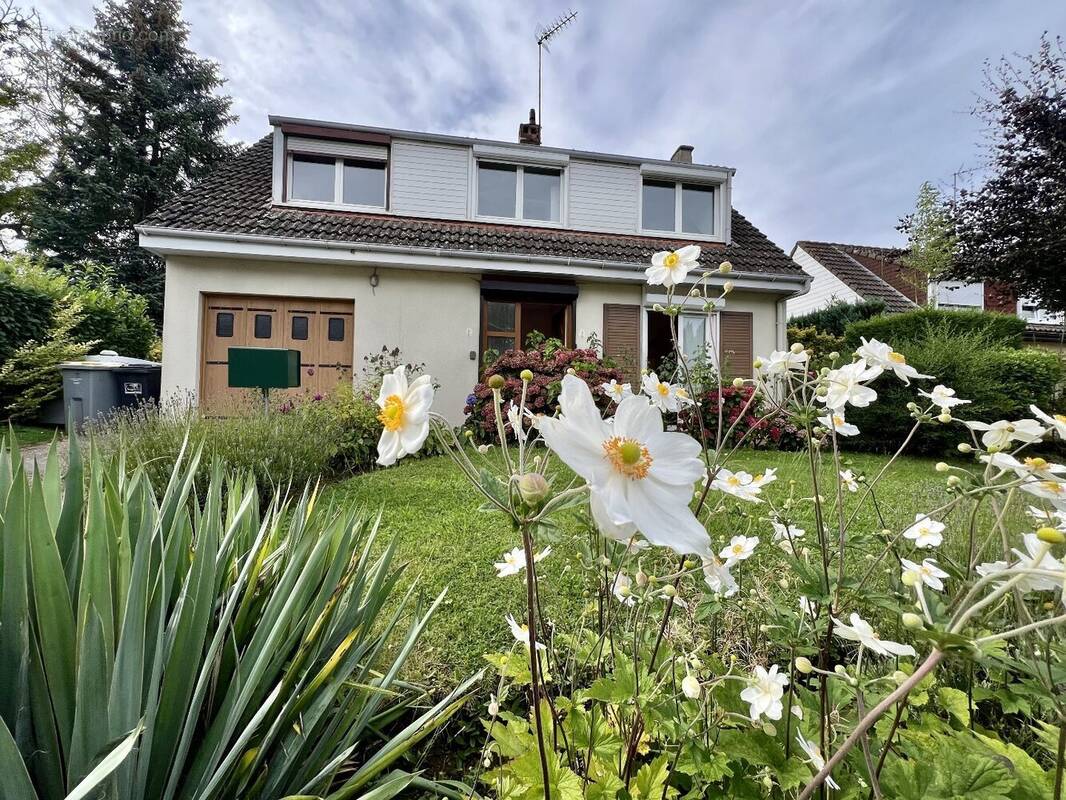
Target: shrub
x=549 y=362
x=116 y=319
x=776 y=432
x=26 y=311
x=836 y=317
x=1001 y=329
x=1000 y=381
x=174 y=649
x=819 y=342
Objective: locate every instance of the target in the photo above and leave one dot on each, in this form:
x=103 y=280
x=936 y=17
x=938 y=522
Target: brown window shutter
x=621 y=336
x=735 y=344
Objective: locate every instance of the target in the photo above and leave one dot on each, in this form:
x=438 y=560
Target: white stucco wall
x=588 y=311
x=767 y=323
x=431 y=316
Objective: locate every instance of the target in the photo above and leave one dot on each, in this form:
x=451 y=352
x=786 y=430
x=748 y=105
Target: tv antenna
x=544 y=35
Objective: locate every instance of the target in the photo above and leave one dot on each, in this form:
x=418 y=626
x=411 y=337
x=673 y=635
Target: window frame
x=717 y=221
x=520 y=173
x=711 y=330
x=338 y=182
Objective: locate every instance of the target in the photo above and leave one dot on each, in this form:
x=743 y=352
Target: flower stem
x=534 y=659
x=868 y=721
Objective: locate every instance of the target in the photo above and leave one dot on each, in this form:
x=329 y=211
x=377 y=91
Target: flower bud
x=641 y=578
x=840 y=670
x=526 y=375
x=725 y=267
x=689 y=563
x=494 y=707
x=764 y=628
x=487 y=763
x=912 y=621
x=468 y=434
x=690 y=686
x=821 y=391
x=804 y=665
x=738 y=383
x=1051 y=535
x=783 y=583
x=757 y=363
x=483 y=448
x=964 y=447
x=941 y=467
x=944 y=416
x=886 y=532
x=496 y=382
x=769 y=730
x=533 y=488
x=834 y=356
x=912 y=406
x=727 y=287
x=571 y=371
x=796 y=348
x=954 y=481
x=669 y=590
x=993 y=448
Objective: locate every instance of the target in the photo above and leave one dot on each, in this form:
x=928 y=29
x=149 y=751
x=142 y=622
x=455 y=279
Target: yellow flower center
x=682 y=393
x=671 y=260
x=897 y=358
x=1053 y=486
x=663 y=389
x=838 y=420
x=1060 y=417
x=733 y=480
x=738 y=549
x=1036 y=463
x=391 y=415
x=628 y=456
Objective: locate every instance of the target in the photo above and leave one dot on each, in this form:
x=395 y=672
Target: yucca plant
x=192 y=648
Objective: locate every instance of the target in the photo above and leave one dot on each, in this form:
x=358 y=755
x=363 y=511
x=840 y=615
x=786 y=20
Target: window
x=299 y=328
x=335 y=330
x=518 y=192
x=364 y=183
x=957 y=294
x=313 y=178
x=224 y=324
x=342 y=181
x=677 y=207
x=693 y=336
x=502 y=325
x=262 y=326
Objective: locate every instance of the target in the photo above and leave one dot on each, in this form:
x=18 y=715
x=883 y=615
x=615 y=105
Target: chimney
x=683 y=154
x=529 y=132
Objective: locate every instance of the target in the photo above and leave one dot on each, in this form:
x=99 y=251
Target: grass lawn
x=434 y=514
x=34 y=434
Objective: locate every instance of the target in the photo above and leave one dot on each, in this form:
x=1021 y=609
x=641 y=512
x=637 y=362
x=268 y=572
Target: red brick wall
x=1000 y=297
x=907 y=281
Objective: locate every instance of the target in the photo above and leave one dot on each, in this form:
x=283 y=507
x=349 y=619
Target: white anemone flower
x=1052 y=518
x=671 y=267
x=1028 y=560
x=807 y=607
x=786 y=533
x=1055 y=422
x=1001 y=433
x=742 y=485
x=624 y=532
x=847 y=385
x=617 y=391
x=514 y=561
x=925 y=532
x=927 y=572
x=740 y=548
x=835 y=420
x=764 y=693
x=514 y=419
x=862 y=632
x=1052 y=489
x=718 y=578
x=642 y=474
x=882 y=355
x=943 y=397
x=849 y=481
x=1029 y=467
x=690 y=687
x=666 y=397
x=779 y=362
x=815 y=758
x=521 y=633
x=621 y=588
x=404 y=415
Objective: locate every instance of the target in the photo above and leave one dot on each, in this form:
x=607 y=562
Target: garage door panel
x=322 y=330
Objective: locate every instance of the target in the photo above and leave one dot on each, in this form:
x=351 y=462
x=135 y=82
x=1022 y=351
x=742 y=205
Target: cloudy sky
x=833 y=113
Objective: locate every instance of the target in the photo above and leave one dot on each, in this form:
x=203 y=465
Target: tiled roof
x=1045 y=332
x=236 y=199
x=843 y=261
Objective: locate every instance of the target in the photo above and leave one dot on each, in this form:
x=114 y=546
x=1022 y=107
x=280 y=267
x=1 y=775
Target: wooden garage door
x=322 y=330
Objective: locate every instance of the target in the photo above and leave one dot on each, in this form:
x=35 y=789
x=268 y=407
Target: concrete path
x=38 y=454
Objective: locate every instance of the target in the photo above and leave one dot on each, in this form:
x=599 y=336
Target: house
x=338 y=240
x=852 y=273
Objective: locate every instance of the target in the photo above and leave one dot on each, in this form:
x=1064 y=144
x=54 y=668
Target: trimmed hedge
x=835 y=318
x=1004 y=330
x=26 y=312
x=1000 y=381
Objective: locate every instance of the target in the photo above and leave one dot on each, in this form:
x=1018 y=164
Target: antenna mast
x=544 y=35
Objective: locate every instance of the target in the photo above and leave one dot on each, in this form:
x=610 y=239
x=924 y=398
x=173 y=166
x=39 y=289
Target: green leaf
x=651 y=778
x=14 y=778
x=955 y=702
x=975 y=778
x=106 y=766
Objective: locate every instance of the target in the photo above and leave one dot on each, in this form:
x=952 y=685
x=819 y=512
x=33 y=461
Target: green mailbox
x=264 y=368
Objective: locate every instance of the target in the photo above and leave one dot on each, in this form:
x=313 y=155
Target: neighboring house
x=339 y=240
x=851 y=273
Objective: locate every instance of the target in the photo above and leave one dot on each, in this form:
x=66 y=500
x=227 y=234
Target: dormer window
x=326 y=173
x=515 y=191
x=677 y=207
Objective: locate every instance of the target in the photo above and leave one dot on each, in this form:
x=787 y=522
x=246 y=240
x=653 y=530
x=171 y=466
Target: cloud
x=833 y=113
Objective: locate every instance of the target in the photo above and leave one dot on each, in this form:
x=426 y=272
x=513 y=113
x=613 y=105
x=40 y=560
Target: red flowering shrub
x=549 y=363
x=773 y=433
